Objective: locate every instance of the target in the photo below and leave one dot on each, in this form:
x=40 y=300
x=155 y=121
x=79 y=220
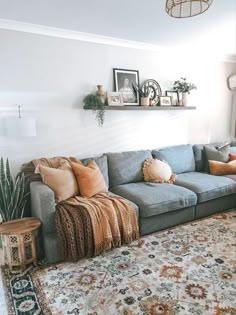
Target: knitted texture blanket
x=88 y=226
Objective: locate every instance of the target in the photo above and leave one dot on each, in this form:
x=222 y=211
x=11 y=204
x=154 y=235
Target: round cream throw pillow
x=157 y=171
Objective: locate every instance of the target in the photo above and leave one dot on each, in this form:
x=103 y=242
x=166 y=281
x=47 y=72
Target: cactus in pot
x=12 y=194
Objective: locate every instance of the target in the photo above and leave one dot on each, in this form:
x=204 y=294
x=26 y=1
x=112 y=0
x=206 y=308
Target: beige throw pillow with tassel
x=157 y=171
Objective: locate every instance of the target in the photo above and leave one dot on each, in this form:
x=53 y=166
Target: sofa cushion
x=200 y=157
x=126 y=167
x=155 y=198
x=101 y=163
x=206 y=186
x=180 y=158
x=232 y=176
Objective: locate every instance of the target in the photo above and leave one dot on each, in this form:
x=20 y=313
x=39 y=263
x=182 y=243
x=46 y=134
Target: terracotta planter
x=145 y=101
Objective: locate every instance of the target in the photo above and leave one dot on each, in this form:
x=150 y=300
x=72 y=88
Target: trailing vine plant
x=94 y=103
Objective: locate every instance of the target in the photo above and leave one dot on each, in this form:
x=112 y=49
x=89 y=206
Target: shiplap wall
x=50 y=77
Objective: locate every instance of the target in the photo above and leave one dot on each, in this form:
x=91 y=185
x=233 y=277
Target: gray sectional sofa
x=195 y=194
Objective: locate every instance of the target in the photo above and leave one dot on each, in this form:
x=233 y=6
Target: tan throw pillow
x=61 y=180
x=89 y=178
x=221 y=168
x=157 y=171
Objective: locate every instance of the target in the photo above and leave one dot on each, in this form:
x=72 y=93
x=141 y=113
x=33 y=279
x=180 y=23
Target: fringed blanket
x=87 y=227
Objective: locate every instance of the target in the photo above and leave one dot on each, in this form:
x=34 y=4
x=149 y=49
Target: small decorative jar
x=100 y=93
x=145 y=101
x=184 y=99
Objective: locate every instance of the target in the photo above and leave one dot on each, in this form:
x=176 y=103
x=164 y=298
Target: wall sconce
x=20 y=126
x=232 y=82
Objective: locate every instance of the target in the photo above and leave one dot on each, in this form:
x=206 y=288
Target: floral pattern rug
x=190 y=269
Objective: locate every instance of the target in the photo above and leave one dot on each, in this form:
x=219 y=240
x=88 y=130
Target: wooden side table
x=18 y=243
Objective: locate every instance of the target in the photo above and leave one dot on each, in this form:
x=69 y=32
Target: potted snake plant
x=143 y=94
x=12 y=194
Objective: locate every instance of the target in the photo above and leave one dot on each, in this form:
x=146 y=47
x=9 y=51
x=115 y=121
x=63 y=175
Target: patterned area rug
x=190 y=269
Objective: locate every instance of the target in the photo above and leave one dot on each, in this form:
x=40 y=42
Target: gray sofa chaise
x=195 y=194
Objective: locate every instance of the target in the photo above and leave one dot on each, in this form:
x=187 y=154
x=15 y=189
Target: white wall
x=50 y=77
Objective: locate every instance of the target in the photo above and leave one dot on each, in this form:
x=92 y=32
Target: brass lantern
x=187 y=8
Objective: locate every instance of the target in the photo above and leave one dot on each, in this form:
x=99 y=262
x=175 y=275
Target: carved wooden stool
x=18 y=242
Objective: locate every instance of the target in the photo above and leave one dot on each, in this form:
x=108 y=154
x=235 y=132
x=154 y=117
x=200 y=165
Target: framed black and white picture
x=174 y=97
x=124 y=81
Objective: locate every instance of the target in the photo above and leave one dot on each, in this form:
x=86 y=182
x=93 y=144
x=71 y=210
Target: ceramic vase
x=185 y=99
x=100 y=93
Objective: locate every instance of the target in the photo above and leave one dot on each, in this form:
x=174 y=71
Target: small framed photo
x=124 y=80
x=165 y=100
x=174 y=97
x=115 y=99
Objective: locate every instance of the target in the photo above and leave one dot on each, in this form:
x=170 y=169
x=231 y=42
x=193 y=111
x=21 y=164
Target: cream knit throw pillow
x=157 y=171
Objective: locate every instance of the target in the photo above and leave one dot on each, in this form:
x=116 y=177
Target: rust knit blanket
x=87 y=227
x=113 y=222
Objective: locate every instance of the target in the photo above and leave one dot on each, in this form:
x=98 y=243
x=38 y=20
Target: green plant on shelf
x=12 y=194
x=183 y=86
x=94 y=103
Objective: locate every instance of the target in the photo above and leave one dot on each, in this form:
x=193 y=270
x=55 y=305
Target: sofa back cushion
x=101 y=162
x=126 y=167
x=180 y=158
x=216 y=154
x=232 y=150
x=200 y=156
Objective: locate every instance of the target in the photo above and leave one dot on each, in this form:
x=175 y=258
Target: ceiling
x=134 y=20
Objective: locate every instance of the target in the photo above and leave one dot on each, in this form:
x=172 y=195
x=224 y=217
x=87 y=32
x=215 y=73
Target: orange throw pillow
x=89 y=178
x=232 y=157
x=61 y=180
x=221 y=168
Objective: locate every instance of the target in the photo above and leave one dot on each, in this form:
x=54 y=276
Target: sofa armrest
x=43 y=206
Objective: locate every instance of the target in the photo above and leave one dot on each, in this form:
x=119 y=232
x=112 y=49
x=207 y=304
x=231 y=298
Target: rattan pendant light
x=186 y=8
